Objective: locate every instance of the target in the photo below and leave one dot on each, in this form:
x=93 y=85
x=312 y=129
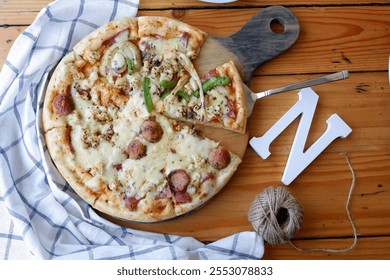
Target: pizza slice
x=172 y=86
x=221 y=103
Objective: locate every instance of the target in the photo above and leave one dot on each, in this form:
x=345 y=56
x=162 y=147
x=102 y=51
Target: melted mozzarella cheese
x=175 y=150
x=217 y=102
x=161 y=46
x=108 y=161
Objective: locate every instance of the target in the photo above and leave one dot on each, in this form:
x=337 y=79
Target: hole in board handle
x=277 y=26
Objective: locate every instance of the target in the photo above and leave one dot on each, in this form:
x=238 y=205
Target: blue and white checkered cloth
x=41 y=216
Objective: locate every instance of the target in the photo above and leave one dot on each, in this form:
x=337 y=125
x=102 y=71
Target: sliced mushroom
x=119 y=57
x=118 y=63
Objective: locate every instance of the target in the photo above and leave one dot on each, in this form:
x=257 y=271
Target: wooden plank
x=331 y=39
x=337 y=38
x=12 y=14
x=157 y=4
x=7 y=39
x=12 y=6
x=367 y=248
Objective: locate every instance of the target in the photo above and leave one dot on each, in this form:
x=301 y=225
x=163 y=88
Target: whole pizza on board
x=118 y=117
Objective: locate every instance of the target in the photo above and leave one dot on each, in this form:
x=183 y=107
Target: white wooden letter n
x=298 y=160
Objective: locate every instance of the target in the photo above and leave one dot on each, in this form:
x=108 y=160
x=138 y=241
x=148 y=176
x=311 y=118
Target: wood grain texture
x=368 y=248
x=331 y=38
x=33 y=6
x=334 y=35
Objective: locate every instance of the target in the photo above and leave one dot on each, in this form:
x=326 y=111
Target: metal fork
x=251 y=97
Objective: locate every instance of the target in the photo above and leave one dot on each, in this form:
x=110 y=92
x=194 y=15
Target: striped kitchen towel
x=37 y=205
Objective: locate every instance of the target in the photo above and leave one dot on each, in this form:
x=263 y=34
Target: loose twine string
x=276 y=215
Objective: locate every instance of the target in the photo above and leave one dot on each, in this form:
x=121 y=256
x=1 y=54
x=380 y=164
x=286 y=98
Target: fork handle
x=308 y=83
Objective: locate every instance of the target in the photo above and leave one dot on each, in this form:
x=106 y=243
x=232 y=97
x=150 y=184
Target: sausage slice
x=182 y=197
x=219 y=158
x=151 y=131
x=63 y=105
x=136 y=149
x=178 y=180
x=131 y=202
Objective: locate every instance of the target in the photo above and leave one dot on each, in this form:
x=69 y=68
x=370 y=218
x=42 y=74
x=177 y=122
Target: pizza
x=119 y=114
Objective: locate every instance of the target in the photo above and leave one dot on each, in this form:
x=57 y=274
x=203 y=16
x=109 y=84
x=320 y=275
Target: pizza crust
x=151 y=26
x=148 y=210
x=59 y=82
x=63 y=157
x=90 y=47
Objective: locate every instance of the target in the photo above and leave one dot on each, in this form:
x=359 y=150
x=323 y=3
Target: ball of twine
x=276 y=215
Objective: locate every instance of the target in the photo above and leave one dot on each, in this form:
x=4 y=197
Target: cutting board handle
x=256 y=42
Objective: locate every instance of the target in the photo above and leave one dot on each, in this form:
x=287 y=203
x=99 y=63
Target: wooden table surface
x=334 y=35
